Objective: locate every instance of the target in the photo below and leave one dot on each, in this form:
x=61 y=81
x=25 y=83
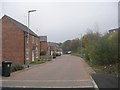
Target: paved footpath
x=65 y=71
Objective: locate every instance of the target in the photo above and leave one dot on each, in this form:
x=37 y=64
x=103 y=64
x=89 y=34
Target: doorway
x=33 y=56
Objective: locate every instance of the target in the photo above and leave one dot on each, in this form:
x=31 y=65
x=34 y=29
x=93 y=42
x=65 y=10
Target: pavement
x=106 y=81
x=65 y=71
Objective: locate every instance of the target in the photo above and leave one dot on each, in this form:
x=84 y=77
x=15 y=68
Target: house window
x=32 y=39
x=37 y=52
x=27 y=40
x=27 y=54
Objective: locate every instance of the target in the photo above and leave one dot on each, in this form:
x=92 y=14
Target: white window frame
x=37 y=52
x=27 y=54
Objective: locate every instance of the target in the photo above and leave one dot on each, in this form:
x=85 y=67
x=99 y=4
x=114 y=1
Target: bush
x=54 y=55
x=103 y=53
x=43 y=53
x=85 y=54
x=16 y=67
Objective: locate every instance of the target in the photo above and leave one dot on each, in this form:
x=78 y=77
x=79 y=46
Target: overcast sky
x=63 y=20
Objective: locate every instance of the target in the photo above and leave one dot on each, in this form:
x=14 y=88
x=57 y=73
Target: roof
x=43 y=38
x=21 y=26
x=53 y=44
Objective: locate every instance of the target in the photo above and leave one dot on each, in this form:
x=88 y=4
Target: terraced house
x=44 y=54
x=17 y=45
x=43 y=44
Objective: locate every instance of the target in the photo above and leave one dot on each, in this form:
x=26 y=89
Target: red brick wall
x=12 y=42
x=52 y=48
x=31 y=44
x=38 y=46
x=44 y=46
x=0 y=40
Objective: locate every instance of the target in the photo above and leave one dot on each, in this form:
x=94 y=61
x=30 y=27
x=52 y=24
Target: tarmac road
x=65 y=71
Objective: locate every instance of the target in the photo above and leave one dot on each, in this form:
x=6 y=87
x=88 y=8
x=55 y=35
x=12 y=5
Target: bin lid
x=7 y=62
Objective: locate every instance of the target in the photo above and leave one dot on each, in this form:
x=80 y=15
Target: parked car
x=69 y=52
x=58 y=53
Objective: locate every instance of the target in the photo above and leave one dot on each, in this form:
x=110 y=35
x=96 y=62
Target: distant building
x=54 y=48
x=43 y=43
x=15 y=42
x=43 y=38
x=43 y=47
x=114 y=30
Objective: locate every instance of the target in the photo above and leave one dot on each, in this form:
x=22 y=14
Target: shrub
x=43 y=53
x=103 y=53
x=86 y=52
x=16 y=67
x=54 y=55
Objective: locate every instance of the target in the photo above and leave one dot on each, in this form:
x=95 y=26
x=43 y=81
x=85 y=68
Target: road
x=65 y=71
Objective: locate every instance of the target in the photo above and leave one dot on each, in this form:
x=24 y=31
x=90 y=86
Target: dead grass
x=109 y=69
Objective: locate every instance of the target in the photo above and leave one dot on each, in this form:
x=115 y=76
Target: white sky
x=61 y=20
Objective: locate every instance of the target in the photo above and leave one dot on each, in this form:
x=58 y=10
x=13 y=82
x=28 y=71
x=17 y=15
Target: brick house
x=43 y=43
x=43 y=47
x=54 y=48
x=15 y=42
x=0 y=40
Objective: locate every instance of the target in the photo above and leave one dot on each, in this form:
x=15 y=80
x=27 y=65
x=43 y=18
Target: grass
x=38 y=62
x=76 y=54
x=113 y=69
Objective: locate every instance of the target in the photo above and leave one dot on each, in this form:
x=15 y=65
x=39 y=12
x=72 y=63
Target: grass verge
x=76 y=54
x=38 y=62
x=113 y=69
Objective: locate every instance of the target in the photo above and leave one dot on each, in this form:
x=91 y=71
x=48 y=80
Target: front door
x=33 y=56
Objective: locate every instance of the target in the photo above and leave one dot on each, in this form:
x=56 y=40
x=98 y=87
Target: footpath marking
x=49 y=86
x=94 y=84
x=46 y=80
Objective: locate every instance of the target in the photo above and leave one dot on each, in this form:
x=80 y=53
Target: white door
x=33 y=56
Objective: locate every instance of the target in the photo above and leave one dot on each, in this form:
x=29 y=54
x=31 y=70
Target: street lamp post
x=28 y=34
